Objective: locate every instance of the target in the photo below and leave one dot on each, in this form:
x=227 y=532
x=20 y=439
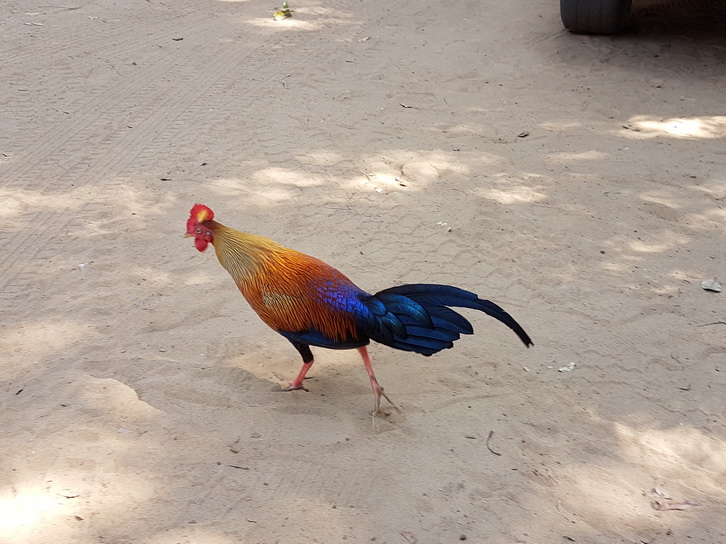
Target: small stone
x=711 y=285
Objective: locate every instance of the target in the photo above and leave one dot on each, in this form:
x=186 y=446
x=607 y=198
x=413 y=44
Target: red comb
x=201 y=213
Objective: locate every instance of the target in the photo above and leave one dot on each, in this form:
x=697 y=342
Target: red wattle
x=200 y=244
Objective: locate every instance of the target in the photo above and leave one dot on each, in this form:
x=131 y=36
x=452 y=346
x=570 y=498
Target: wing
x=307 y=301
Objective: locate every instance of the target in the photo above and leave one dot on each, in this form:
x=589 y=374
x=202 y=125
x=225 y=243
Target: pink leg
x=377 y=389
x=307 y=357
x=297 y=383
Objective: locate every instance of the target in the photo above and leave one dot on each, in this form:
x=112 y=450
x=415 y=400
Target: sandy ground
x=579 y=182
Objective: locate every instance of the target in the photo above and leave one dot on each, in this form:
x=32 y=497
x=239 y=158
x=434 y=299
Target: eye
x=199 y=231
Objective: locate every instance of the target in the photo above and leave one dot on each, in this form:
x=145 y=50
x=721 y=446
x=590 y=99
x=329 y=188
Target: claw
x=297 y=383
x=378 y=391
x=293 y=386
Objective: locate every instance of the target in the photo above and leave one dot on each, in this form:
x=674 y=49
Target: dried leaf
x=68 y=494
x=410 y=537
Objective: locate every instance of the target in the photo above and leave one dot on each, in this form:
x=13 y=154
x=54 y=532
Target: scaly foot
x=378 y=392
x=294 y=386
x=297 y=383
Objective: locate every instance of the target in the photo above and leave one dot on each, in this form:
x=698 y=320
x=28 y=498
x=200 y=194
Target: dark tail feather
x=488 y=307
x=417 y=317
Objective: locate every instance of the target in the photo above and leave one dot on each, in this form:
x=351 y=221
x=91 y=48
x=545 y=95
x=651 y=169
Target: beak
x=187 y=235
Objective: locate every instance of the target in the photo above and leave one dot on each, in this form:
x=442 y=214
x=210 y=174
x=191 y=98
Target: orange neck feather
x=285 y=287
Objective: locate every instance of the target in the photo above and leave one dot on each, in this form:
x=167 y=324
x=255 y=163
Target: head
x=202 y=235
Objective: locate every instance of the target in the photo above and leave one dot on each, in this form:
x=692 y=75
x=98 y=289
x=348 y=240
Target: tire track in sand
x=63 y=142
x=164 y=117
x=114 y=39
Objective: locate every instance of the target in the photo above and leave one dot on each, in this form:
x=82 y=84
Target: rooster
x=312 y=304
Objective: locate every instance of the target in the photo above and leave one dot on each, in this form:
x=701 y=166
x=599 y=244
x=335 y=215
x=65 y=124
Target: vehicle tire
x=595 y=16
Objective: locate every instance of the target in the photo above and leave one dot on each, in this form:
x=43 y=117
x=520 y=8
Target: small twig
x=237 y=466
x=670 y=505
x=491 y=433
x=114 y=68
x=714 y=323
x=60 y=8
